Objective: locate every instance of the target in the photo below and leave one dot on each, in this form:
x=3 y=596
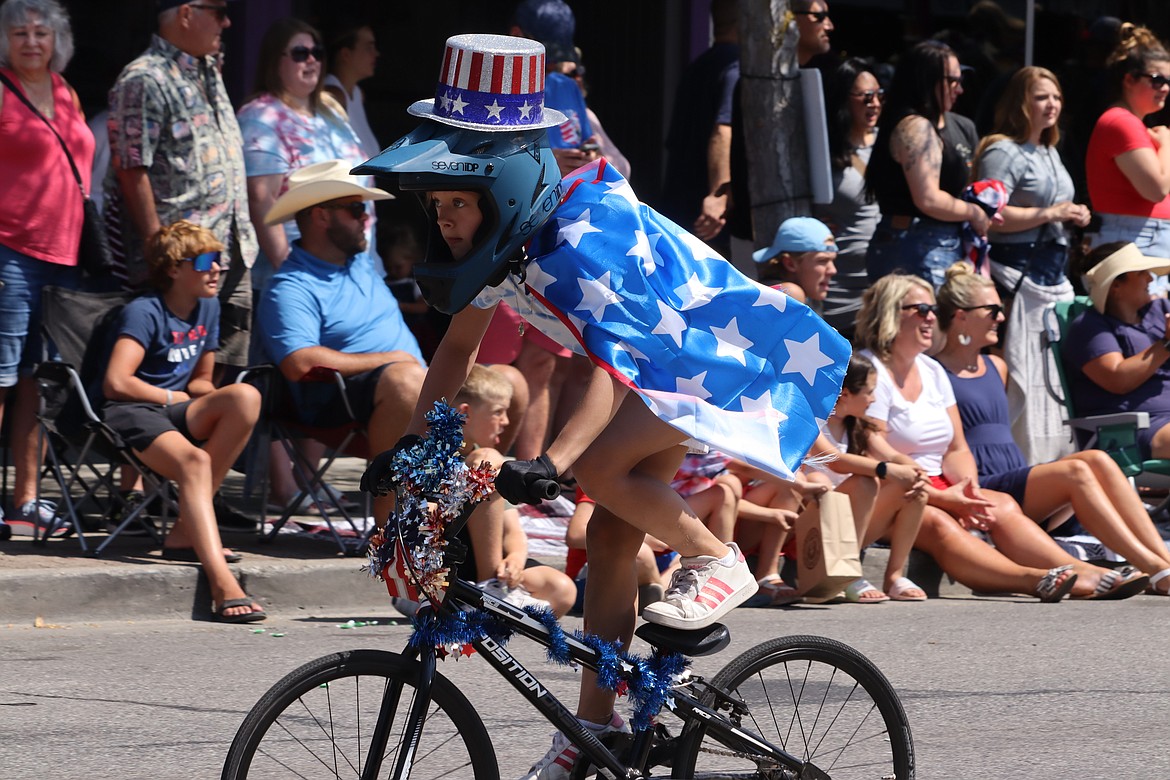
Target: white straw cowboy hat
x=318 y=183
x=1129 y=258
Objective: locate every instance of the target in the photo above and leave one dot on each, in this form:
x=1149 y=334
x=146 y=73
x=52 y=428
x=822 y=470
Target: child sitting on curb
x=497 y=555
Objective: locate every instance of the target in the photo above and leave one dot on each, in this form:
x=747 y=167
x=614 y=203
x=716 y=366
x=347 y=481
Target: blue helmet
x=519 y=185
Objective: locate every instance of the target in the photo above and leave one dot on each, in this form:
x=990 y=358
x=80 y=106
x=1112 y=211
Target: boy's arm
x=452 y=362
x=515 y=549
x=201 y=382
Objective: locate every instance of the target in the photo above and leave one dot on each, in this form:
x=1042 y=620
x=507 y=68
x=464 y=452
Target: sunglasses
x=954 y=81
x=356 y=209
x=301 y=54
x=870 y=95
x=994 y=309
x=923 y=310
x=220 y=11
x=817 y=16
x=1157 y=80
x=202 y=263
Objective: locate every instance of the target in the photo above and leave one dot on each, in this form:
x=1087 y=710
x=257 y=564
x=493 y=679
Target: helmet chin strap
x=518 y=265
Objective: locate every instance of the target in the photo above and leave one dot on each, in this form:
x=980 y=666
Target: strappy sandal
x=1117 y=584
x=1153 y=589
x=1052 y=588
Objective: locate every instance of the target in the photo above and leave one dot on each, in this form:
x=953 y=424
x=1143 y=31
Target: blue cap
x=799 y=234
x=552 y=23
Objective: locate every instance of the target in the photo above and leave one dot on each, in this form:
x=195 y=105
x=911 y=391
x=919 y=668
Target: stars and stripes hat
x=490 y=82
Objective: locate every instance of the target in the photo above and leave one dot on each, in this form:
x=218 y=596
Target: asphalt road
x=994 y=688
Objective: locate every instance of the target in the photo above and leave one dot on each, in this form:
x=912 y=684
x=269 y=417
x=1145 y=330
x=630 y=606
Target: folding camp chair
x=279 y=422
x=80 y=452
x=1116 y=433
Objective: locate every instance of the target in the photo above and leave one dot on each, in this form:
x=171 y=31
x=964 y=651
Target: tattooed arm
x=918 y=149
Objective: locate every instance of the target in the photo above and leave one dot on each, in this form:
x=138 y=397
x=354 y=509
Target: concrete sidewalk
x=293 y=575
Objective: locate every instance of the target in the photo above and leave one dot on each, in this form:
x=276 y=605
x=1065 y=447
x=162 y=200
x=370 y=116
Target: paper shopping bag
x=826 y=544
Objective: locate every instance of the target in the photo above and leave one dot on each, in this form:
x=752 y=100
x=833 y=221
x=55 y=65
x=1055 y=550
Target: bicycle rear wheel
x=817 y=699
x=318 y=721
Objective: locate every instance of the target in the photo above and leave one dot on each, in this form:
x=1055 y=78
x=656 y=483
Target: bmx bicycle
x=798 y=707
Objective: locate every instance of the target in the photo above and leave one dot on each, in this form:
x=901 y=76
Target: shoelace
x=685 y=584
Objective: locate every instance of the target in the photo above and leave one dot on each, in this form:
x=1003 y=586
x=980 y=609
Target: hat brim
x=764 y=255
x=1125 y=260
x=550 y=117
x=315 y=192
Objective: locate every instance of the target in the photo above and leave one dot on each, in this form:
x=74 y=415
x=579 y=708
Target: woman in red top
x=40 y=223
x=1127 y=165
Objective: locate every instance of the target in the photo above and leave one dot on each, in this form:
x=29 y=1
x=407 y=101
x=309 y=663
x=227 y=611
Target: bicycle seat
x=696 y=642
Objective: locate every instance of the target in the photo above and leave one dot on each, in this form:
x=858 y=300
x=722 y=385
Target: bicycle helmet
x=519 y=185
x=485 y=131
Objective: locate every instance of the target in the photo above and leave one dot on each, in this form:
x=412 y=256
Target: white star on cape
x=694 y=386
x=731 y=343
x=494 y=110
x=457 y=104
x=538 y=279
x=623 y=190
x=805 y=358
x=632 y=351
x=763 y=404
x=596 y=294
x=525 y=110
x=572 y=230
x=671 y=323
x=694 y=294
x=644 y=249
x=770 y=296
x=699 y=250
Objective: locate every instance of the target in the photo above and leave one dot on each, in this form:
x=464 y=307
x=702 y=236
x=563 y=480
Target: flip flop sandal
x=187 y=555
x=1118 y=584
x=855 y=590
x=1052 y=588
x=1153 y=589
x=897 y=591
x=246 y=617
x=775 y=592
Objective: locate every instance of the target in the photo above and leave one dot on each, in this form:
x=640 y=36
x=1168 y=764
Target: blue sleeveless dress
x=983 y=411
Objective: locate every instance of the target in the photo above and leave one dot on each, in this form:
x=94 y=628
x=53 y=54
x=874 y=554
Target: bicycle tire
x=316 y=721
x=817 y=699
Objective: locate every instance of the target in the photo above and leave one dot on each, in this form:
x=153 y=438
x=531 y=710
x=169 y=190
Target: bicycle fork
x=414 y=723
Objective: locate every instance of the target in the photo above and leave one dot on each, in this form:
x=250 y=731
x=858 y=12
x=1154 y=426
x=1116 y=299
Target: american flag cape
x=730 y=363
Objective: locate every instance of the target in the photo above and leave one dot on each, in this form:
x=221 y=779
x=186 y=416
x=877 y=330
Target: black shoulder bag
x=93 y=253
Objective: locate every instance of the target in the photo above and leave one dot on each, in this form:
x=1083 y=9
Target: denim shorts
x=1044 y=263
x=21 y=280
x=1152 y=236
x=925 y=249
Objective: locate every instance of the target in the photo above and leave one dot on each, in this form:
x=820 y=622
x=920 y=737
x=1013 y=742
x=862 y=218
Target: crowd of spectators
x=249 y=230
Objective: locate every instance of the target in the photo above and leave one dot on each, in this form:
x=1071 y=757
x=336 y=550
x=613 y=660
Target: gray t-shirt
x=1034 y=177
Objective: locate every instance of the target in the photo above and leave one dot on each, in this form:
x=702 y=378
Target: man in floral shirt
x=176 y=153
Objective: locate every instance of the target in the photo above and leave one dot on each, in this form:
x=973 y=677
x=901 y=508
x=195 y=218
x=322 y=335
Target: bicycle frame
x=465 y=594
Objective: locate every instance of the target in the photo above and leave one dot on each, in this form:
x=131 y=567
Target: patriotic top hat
x=492 y=83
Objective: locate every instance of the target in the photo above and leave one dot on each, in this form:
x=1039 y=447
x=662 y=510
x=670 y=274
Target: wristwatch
x=880 y=469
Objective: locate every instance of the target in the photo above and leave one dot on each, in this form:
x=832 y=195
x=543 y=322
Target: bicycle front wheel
x=319 y=722
x=817 y=699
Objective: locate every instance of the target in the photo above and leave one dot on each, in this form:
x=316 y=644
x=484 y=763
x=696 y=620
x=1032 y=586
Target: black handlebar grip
x=547 y=489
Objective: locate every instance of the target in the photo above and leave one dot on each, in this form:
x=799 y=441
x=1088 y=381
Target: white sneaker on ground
x=558 y=762
x=517 y=596
x=703 y=590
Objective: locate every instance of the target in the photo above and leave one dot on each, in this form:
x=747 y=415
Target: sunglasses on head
x=1157 y=80
x=202 y=263
x=816 y=16
x=923 y=310
x=870 y=95
x=220 y=11
x=356 y=209
x=994 y=309
x=300 y=54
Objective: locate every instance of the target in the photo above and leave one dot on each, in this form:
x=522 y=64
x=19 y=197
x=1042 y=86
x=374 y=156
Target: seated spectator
x=888 y=499
x=1089 y=482
x=497 y=547
x=160 y=398
x=400 y=250
x=800 y=260
x=917 y=422
x=327 y=308
x=1116 y=352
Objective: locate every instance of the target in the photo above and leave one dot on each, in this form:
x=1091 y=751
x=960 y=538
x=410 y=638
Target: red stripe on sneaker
x=720 y=584
x=707 y=602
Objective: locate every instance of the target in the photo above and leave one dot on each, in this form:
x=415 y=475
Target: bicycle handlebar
x=547 y=489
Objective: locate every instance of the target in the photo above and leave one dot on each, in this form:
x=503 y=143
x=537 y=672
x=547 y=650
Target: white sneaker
x=702 y=591
x=517 y=596
x=558 y=762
